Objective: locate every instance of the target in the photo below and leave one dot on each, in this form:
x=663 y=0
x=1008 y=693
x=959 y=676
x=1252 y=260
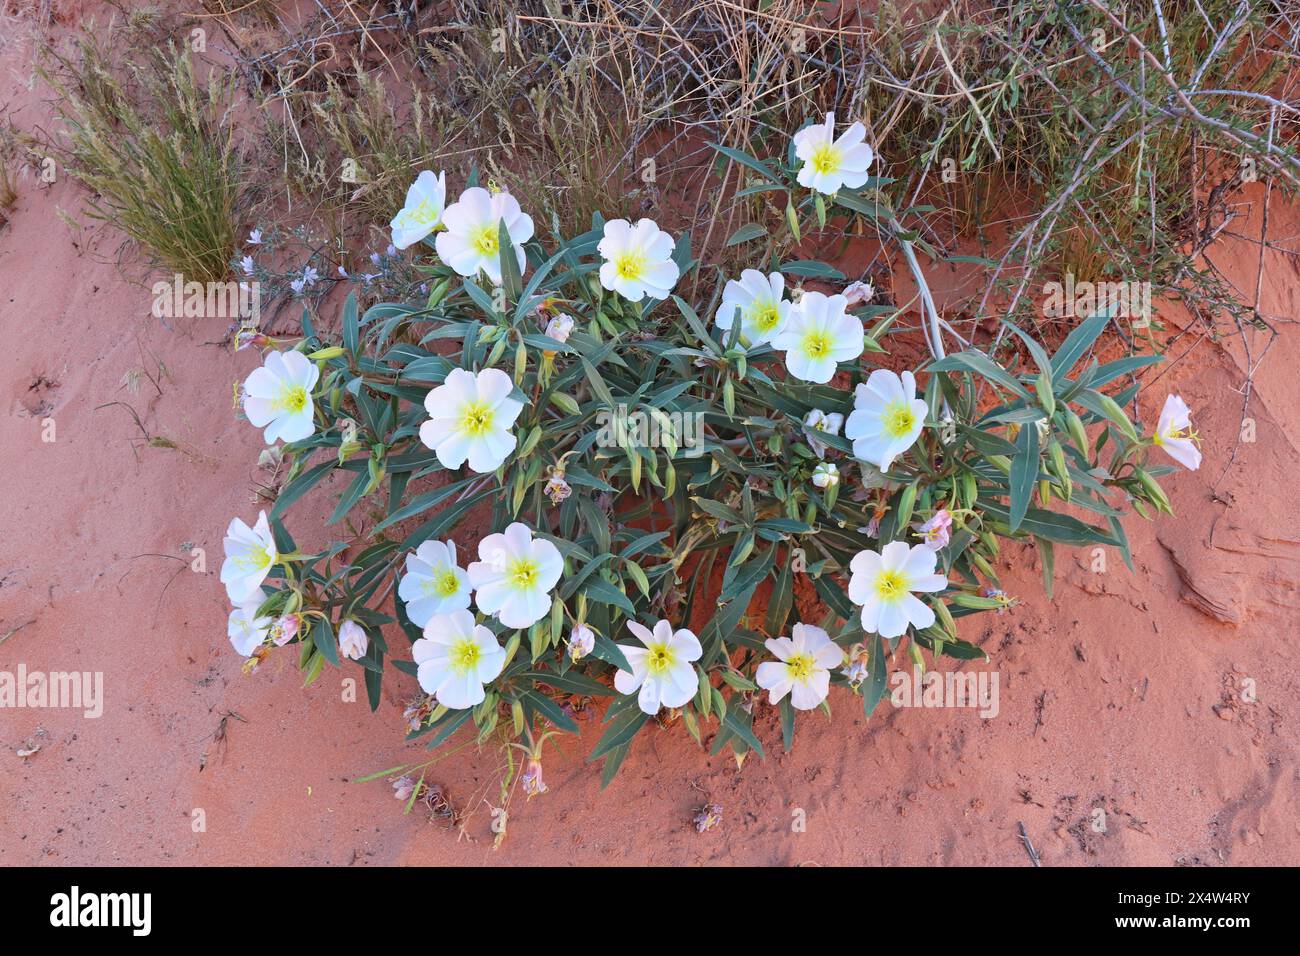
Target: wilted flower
x=707 y=817
x=470 y=418
x=514 y=575
x=531 y=779
x=559 y=327
x=830 y=163
x=856 y=669
x=472 y=242
x=251 y=338
x=661 y=669
x=353 y=640
x=825 y=475
x=557 y=489
x=277 y=396
x=818 y=422
x=417 y=712
x=455 y=658
x=936 y=532
x=882 y=584
x=1174 y=433
x=887 y=417
x=1004 y=600
x=250 y=555
x=422 y=213
x=403 y=787
x=761 y=302
x=433 y=582
x=285 y=629
x=802 y=667
x=857 y=293
x=817 y=336
x=581 y=641
x=245 y=629
x=637 y=260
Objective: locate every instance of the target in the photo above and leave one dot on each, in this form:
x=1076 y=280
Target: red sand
x=1124 y=693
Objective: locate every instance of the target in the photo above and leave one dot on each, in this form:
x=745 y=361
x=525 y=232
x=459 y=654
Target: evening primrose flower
x=433 y=583
x=285 y=629
x=581 y=641
x=422 y=214
x=802 y=667
x=882 y=584
x=661 y=668
x=514 y=575
x=250 y=555
x=937 y=532
x=830 y=163
x=825 y=475
x=470 y=419
x=1174 y=433
x=817 y=336
x=455 y=658
x=762 y=304
x=887 y=417
x=472 y=242
x=246 y=630
x=277 y=396
x=817 y=422
x=638 y=260
x=353 y=640
x=858 y=293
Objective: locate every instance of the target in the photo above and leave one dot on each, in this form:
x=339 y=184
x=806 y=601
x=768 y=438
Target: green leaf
x=1024 y=473
x=746 y=233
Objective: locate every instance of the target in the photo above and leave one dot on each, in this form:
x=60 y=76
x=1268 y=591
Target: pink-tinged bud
x=532 y=779
x=858 y=293
x=353 y=640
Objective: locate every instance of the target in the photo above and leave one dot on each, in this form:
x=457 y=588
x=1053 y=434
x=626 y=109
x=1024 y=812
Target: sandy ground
x=1129 y=693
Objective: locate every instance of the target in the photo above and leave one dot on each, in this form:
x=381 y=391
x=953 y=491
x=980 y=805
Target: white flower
x=825 y=475
x=830 y=163
x=248 y=266
x=802 y=667
x=470 y=417
x=472 y=241
x=882 y=583
x=245 y=629
x=581 y=641
x=662 y=668
x=255 y=237
x=817 y=336
x=456 y=657
x=353 y=640
x=250 y=555
x=514 y=575
x=277 y=396
x=1174 y=433
x=856 y=293
x=559 y=328
x=762 y=304
x=423 y=210
x=638 y=260
x=817 y=422
x=887 y=417
x=433 y=584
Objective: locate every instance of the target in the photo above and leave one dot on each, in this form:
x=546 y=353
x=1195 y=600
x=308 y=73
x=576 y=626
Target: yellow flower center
x=1176 y=434
x=660 y=659
x=630 y=265
x=800 y=666
x=825 y=158
x=817 y=344
x=293 y=399
x=443 y=584
x=523 y=573
x=476 y=419
x=464 y=656
x=891 y=585
x=899 y=419
x=487 y=240
x=424 y=214
x=765 y=317
x=256 y=559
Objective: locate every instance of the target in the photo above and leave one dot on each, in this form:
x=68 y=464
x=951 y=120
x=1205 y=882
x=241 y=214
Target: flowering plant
x=697 y=507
